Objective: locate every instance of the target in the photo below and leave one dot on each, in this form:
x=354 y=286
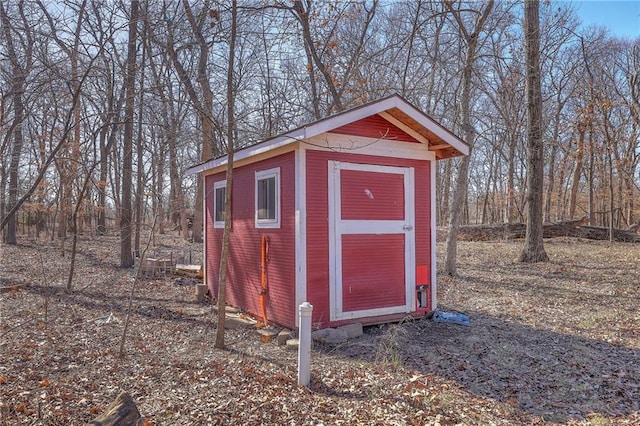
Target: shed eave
x=250 y=151
x=445 y=136
x=444 y=144
x=347 y=117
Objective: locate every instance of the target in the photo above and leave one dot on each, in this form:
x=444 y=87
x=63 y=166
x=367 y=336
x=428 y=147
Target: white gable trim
x=336 y=121
x=434 y=127
x=254 y=150
x=417 y=136
x=349 y=117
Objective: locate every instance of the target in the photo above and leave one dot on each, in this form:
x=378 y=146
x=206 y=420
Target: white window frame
x=262 y=175
x=217 y=185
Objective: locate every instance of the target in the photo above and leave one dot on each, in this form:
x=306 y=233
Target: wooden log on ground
x=500 y=231
x=600 y=233
x=571 y=228
x=122 y=412
x=189 y=270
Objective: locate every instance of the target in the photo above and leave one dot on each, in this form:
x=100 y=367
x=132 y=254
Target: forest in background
x=99 y=118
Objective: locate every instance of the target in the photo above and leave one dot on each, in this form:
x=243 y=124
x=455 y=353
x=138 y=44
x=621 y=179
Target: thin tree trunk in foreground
x=222 y=273
x=457 y=203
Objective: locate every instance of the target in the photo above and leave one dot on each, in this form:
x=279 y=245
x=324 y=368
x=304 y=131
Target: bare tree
x=533 y=250
x=20 y=69
x=126 y=254
x=471 y=38
x=140 y=178
x=231 y=126
x=202 y=102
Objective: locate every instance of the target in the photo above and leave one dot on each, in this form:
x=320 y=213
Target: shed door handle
x=407 y=227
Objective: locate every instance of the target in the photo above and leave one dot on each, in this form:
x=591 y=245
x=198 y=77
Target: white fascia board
x=198 y=168
x=434 y=127
x=331 y=123
x=250 y=151
x=356 y=114
x=417 y=136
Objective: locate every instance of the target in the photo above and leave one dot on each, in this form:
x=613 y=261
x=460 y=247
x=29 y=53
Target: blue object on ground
x=452 y=317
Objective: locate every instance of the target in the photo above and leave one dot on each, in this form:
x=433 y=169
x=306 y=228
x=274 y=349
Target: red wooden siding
x=422 y=176
x=364 y=287
x=374 y=127
x=371 y=195
x=318 y=228
x=244 y=261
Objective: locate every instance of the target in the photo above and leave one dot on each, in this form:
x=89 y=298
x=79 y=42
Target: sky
x=622 y=17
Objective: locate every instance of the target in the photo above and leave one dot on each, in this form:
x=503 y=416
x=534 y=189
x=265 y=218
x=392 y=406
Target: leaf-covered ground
x=549 y=343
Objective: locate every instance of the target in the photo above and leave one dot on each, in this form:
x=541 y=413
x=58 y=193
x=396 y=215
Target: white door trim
x=339 y=227
x=300 y=228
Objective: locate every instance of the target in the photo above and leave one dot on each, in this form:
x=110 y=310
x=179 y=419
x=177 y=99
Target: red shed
x=346 y=209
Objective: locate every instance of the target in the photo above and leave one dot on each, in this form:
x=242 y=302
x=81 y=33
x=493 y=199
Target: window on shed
x=219 y=194
x=268 y=198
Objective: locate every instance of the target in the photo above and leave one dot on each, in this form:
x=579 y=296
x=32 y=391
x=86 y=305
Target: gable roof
x=394 y=109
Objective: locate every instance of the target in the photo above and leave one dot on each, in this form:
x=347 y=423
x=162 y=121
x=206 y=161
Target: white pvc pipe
x=304 y=344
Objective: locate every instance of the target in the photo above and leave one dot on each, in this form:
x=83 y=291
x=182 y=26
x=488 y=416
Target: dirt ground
x=549 y=343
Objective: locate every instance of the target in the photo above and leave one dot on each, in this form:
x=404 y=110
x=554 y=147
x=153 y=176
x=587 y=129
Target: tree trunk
x=457 y=203
x=74 y=223
x=19 y=72
x=126 y=254
x=159 y=161
x=16 y=152
x=167 y=144
x=445 y=188
x=226 y=236
x=177 y=196
x=209 y=148
x=310 y=47
x=139 y=151
x=102 y=183
x=577 y=171
x=592 y=170
x=455 y=215
x=533 y=250
x=109 y=129
x=552 y=162
x=510 y=211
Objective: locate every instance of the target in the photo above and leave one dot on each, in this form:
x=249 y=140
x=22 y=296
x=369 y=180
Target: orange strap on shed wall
x=264 y=252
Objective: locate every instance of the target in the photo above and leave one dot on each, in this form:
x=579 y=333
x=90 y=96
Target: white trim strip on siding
x=300 y=229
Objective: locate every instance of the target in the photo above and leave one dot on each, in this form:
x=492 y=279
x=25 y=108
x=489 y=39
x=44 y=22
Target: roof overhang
x=394 y=109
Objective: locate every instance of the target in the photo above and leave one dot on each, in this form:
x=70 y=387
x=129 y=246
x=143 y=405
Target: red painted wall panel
x=371 y=195
x=244 y=261
x=364 y=287
x=375 y=127
x=318 y=227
